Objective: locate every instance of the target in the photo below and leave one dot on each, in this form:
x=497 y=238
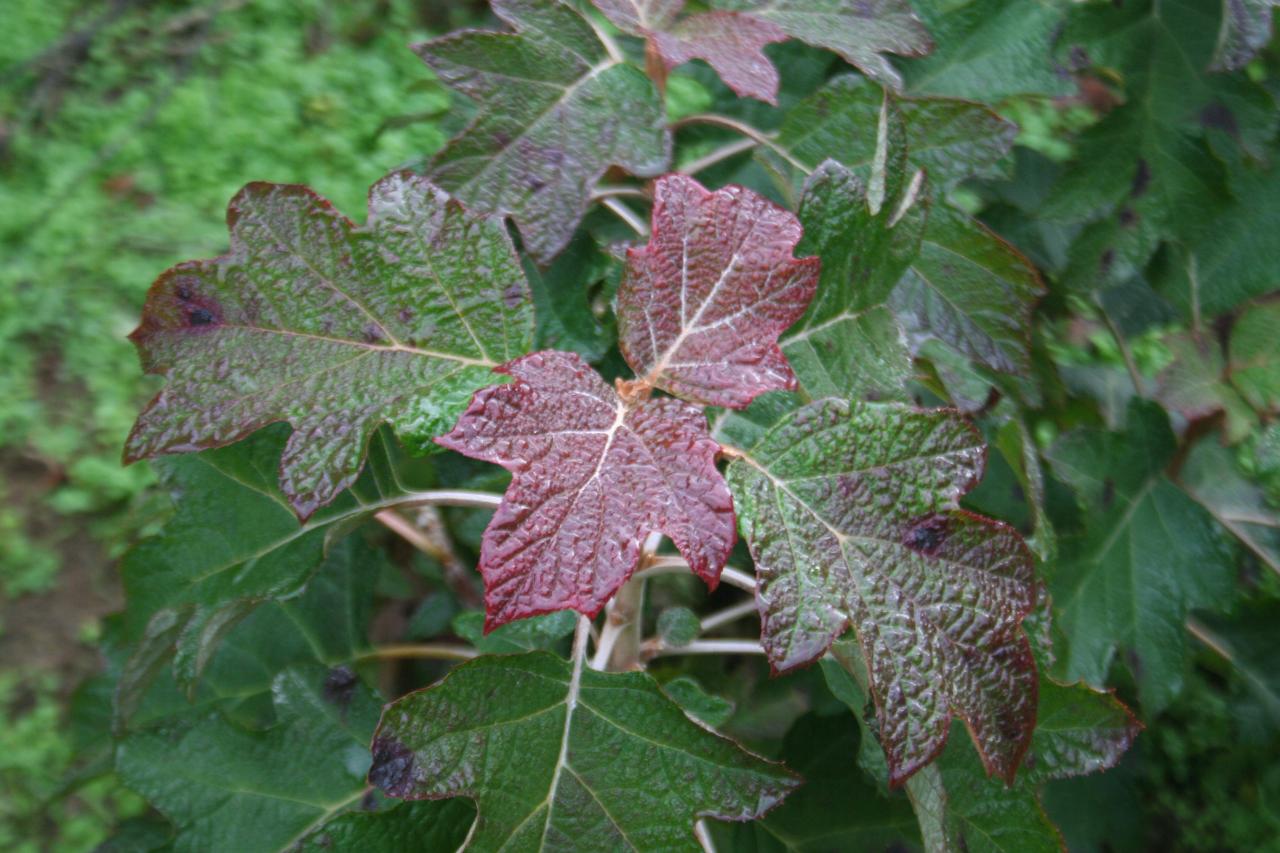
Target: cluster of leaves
x=815 y=356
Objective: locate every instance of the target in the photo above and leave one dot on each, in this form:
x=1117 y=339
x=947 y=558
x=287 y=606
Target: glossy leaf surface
x=332 y=327
x=555 y=111
x=561 y=757
x=701 y=305
x=849 y=510
x=594 y=475
x=1149 y=555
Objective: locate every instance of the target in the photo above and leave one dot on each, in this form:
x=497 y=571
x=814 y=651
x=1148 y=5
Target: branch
x=729 y=614
x=627 y=215
x=707 y=647
x=428 y=651
x=677 y=566
x=757 y=136
x=1132 y=366
x=706 y=161
x=452 y=497
x=457 y=575
x=617 y=191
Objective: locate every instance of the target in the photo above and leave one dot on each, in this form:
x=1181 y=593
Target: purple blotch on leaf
x=928 y=534
x=392 y=769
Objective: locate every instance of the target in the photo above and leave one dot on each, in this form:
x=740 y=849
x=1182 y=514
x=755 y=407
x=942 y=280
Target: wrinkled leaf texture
x=331 y=327
x=555 y=111
x=850 y=513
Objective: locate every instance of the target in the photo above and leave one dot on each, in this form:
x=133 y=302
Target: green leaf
x=560 y=295
x=957 y=807
x=440 y=825
x=859 y=30
x=835 y=809
x=1247 y=641
x=1149 y=554
x=1147 y=172
x=230 y=788
x=558 y=757
x=331 y=327
x=971 y=290
x=1194 y=384
x=1245 y=30
x=849 y=343
x=526 y=635
x=989 y=49
x=1255 y=356
x=555 y=111
x=232 y=543
x=708 y=709
x=850 y=513
x=1212 y=478
x=950 y=139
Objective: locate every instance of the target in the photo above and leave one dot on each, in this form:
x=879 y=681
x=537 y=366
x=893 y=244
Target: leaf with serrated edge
x=861 y=31
x=602 y=761
x=972 y=290
x=702 y=304
x=1148 y=555
x=850 y=513
x=950 y=139
x=594 y=475
x=331 y=327
x=555 y=111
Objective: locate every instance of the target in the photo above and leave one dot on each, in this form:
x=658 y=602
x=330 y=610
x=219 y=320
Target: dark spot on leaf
x=501 y=139
x=392 y=769
x=372 y=333
x=1105 y=262
x=182 y=289
x=405 y=315
x=1141 y=179
x=1128 y=217
x=369 y=802
x=1134 y=660
x=1018 y=493
x=928 y=534
x=1079 y=58
x=513 y=295
x=200 y=317
x=339 y=686
x=1108 y=493
x=1218 y=116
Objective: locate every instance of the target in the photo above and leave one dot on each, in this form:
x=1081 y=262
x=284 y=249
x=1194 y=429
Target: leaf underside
x=594 y=474
x=850 y=513
x=559 y=757
x=331 y=327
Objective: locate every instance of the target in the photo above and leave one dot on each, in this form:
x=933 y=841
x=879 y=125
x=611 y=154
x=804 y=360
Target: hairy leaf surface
x=594 y=475
x=850 y=513
x=555 y=111
x=1245 y=29
x=1148 y=556
x=558 y=757
x=331 y=327
x=702 y=304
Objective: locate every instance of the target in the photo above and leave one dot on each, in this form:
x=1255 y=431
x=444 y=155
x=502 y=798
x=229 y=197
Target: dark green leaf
x=555 y=111
x=558 y=757
x=1149 y=554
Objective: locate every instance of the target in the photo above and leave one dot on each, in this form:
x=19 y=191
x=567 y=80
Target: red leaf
x=730 y=42
x=701 y=306
x=594 y=475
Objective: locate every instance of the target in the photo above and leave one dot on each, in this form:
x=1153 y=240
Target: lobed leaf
x=861 y=31
x=558 y=757
x=331 y=327
x=850 y=513
x=594 y=474
x=1148 y=556
x=701 y=305
x=555 y=111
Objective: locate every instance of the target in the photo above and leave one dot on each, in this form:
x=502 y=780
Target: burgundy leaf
x=594 y=475
x=701 y=306
x=730 y=42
